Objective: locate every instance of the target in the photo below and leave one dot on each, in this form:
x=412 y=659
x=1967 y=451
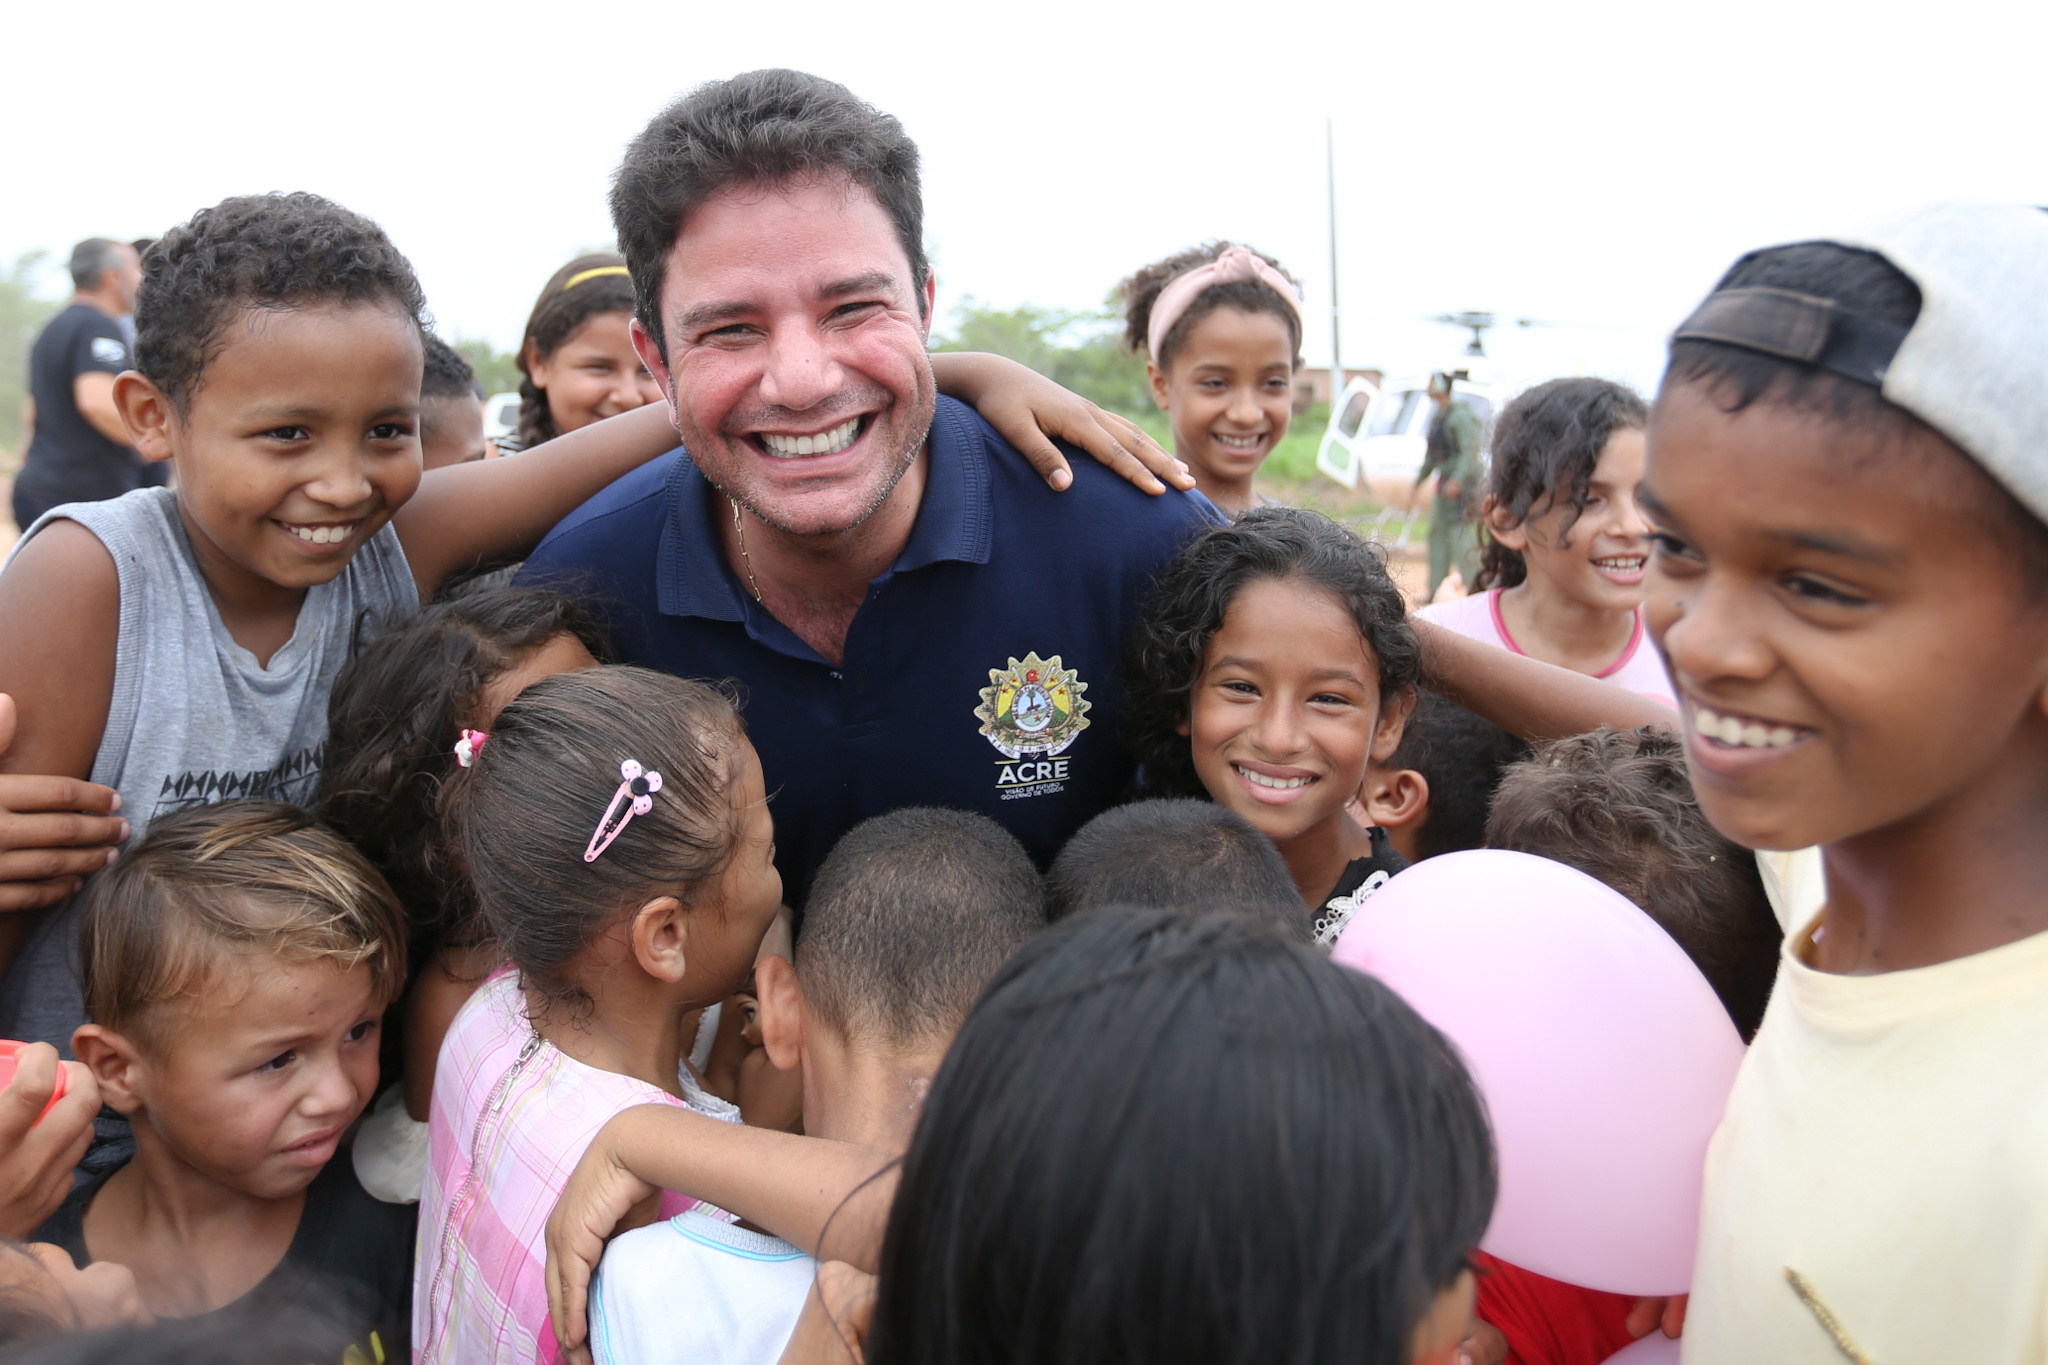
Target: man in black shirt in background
x=80 y=451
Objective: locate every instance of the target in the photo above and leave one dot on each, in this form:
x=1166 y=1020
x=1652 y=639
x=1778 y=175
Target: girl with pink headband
x=1220 y=327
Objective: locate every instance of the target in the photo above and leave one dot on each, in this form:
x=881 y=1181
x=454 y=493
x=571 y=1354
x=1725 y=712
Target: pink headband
x=636 y=789
x=1233 y=265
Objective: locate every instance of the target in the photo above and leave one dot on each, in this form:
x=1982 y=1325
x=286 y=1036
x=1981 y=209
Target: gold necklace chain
x=739 y=529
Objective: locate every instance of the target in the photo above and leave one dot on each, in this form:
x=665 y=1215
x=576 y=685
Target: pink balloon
x=1604 y=1057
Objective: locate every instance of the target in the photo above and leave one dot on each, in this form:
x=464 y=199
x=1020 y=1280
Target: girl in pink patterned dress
x=1561 y=570
x=616 y=829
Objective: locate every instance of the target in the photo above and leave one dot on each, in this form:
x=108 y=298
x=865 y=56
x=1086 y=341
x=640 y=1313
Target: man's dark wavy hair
x=761 y=128
x=1188 y=606
x=275 y=251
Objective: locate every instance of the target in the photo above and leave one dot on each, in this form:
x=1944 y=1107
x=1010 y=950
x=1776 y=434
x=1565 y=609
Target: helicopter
x=1478 y=322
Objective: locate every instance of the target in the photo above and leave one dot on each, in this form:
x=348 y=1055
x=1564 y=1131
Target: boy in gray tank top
x=178 y=647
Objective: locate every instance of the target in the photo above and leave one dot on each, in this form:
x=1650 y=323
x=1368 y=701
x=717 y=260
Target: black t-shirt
x=1361 y=877
x=69 y=460
x=350 y=1259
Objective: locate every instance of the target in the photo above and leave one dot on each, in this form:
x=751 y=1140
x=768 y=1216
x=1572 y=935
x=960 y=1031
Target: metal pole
x=1336 y=349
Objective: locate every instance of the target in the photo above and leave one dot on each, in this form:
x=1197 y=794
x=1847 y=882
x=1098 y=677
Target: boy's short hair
x=257 y=251
x=910 y=915
x=250 y=875
x=449 y=373
x=759 y=128
x=1461 y=757
x=1179 y=854
x=1618 y=806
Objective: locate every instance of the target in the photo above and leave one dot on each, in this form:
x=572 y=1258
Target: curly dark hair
x=393 y=718
x=1141 y=290
x=560 y=310
x=1546 y=444
x=764 y=127
x=1618 y=806
x=1196 y=590
x=258 y=251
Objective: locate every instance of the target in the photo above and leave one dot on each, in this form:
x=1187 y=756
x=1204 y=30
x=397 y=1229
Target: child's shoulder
x=675 y=1289
x=60 y=622
x=1475 y=617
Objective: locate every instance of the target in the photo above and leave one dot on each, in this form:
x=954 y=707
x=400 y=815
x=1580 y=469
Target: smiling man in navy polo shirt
x=914 y=616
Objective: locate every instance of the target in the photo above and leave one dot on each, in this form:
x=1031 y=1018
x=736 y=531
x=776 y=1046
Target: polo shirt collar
x=955 y=521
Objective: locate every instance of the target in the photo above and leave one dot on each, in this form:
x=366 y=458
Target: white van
x=1378 y=434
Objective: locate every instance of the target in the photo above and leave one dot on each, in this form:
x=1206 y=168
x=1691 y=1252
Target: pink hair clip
x=636 y=788
x=469 y=746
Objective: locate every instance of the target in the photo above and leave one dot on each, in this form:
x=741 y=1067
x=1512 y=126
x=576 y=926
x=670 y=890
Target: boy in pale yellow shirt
x=1848 y=476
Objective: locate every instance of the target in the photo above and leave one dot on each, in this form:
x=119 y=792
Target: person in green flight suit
x=1453 y=456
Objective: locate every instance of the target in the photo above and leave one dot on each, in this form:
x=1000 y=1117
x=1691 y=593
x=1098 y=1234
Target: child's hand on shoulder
x=54 y=831
x=1030 y=412
x=39 y=1150
x=600 y=1194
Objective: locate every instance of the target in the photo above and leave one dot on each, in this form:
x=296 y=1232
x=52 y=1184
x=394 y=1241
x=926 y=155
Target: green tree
x=1081 y=350
x=496 y=370
x=22 y=315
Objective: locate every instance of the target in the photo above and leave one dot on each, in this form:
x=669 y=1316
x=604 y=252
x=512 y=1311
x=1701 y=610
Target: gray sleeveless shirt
x=194 y=718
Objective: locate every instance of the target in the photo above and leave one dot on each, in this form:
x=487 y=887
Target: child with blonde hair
x=236 y=967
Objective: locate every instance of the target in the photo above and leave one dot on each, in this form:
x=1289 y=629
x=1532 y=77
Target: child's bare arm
x=490 y=509
x=1027 y=409
x=60 y=616
x=1527 y=697
x=792 y=1186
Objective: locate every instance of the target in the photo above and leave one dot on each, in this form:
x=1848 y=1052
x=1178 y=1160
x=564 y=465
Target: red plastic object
x=9 y=1051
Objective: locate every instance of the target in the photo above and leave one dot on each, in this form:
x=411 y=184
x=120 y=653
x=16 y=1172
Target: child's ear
x=661 y=934
x=146 y=411
x=1393 y=723
x=114 y=1062
x=779 y=1009
x=1395 y=800
x=1507 y=532
x=1156 y=378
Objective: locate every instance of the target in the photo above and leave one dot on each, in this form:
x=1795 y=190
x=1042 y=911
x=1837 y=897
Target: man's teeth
x=322 y=535
x=1740 y=734
x=824 y=443
x=1280 y=783
x=1622 y=563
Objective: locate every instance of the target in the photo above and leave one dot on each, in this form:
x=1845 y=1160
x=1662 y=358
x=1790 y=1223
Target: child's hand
x=597 y=1198
x=1026 y=408
x=47 y=846
x=1647 y=1315
x=833 y=1328
x=38 y=1151
x=101 y=1295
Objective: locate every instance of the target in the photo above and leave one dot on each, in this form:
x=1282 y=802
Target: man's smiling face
x=797 y=367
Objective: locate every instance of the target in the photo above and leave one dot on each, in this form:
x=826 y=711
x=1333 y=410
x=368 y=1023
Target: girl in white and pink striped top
x=1561 y=575
x=615 y=825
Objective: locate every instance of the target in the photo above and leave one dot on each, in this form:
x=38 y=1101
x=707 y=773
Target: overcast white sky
x=1588 y=164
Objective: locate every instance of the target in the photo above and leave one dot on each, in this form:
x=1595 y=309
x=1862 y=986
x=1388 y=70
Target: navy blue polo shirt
x=981 y=673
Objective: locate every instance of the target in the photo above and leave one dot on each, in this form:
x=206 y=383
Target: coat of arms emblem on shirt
x=1032 y=707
